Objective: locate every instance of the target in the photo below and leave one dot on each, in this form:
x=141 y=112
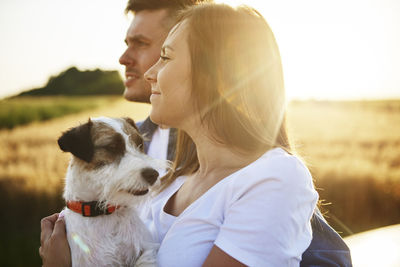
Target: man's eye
x=141 y=44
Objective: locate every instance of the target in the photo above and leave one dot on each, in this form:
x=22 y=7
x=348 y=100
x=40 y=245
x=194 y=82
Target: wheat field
x=353 y=152
x=355 y=139
x=30 y=154
x=32 y=169
x=351 y=148
x=337 y=140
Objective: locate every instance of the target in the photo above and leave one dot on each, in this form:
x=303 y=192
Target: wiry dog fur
x=108 y=165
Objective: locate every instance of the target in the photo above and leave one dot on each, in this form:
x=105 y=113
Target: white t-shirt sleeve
x=267 y=222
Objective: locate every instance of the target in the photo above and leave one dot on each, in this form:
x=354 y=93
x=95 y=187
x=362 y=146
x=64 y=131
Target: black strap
x=92 y=209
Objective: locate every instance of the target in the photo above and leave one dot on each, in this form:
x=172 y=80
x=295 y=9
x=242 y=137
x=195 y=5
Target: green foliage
x=20 y=221
x=23 y=110
x=76 y=82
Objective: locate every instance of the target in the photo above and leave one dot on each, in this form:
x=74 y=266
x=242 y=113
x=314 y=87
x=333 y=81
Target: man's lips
x=131 y=77
x=132 y=73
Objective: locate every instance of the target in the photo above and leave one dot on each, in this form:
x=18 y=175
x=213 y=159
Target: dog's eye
x=100 y=164
x=116 y=145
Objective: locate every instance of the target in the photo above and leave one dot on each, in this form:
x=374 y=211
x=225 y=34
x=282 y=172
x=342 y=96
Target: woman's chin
x=160 y=121
x=155 y=118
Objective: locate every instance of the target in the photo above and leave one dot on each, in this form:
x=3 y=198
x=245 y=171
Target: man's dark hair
x=135 y=6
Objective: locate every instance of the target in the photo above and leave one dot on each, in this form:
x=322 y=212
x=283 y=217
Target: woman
x=235 y=195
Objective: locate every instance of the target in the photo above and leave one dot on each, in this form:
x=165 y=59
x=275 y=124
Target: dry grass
x=30 y=154
x=352 y=139
x=352 y=149
x=32 y=169
x=353 y=152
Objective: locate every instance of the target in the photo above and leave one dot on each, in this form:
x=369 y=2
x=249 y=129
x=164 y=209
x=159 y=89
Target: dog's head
x=108 y=159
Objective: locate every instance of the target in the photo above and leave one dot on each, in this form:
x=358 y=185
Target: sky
x=342 y=49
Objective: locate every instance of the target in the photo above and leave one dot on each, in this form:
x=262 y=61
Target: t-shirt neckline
x=180 y=180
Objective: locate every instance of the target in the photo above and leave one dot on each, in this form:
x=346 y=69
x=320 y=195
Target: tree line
x=76 y=82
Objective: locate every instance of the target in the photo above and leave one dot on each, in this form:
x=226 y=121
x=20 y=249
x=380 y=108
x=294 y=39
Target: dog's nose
x=150 y=175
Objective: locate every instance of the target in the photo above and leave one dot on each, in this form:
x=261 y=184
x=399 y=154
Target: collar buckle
x=90 y=209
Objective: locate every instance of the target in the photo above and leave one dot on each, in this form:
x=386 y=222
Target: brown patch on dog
x=78 y=141
x=135 y=138
x=109 y=146
x=131 y=122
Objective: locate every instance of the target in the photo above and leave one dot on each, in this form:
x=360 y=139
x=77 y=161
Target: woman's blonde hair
x=237 y=83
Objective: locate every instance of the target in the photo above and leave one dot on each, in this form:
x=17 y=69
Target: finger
x=49 y=220
x=47 y=225
x=59 y=228
x=41 y=252
x=53 y=218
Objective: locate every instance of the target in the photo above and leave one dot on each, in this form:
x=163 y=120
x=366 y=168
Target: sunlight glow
x=344 y=49
x=80 y=243
x=378 y=247
x=331 y=50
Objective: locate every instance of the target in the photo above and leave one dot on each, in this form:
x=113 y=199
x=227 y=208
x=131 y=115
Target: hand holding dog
x=54 y=249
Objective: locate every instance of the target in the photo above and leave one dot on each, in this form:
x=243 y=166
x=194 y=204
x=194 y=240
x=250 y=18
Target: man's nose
x=125 y=58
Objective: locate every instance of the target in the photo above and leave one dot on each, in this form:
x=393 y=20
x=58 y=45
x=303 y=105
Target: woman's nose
x=151 y=74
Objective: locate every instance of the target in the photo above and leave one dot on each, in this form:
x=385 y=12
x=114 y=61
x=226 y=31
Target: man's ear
x=78 y=141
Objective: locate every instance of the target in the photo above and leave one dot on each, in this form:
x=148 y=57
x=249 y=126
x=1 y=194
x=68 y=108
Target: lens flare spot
x=80 y=243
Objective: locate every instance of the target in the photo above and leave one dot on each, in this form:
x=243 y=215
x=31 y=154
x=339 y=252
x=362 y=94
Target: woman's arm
x=218 y=257
x=54 y=249
x=268 y=220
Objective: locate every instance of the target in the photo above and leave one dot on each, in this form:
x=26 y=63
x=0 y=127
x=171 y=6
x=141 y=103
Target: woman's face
x=170 y=80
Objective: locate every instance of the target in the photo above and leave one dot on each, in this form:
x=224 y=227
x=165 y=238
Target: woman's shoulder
x=276 y=165
x=278 y=160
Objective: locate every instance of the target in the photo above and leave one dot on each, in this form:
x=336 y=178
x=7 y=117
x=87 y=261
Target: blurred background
x=59 y=66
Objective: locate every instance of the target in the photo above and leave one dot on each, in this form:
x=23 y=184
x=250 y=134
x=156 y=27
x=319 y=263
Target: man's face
x=144 y=39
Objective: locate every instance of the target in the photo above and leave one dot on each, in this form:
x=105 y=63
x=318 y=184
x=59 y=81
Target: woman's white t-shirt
x=259 y=215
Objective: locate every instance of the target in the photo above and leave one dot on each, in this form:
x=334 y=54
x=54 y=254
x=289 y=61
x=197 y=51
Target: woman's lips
x=154 y=94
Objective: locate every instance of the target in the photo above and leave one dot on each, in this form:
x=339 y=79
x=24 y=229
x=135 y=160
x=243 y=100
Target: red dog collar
x=90 y=209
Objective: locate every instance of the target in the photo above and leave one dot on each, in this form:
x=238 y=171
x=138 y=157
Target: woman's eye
x=164 y=58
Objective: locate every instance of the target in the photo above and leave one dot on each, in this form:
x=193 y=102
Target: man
x=152 y=21
x=150 y=26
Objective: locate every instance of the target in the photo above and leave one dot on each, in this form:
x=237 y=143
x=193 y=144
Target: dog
x=107 y=178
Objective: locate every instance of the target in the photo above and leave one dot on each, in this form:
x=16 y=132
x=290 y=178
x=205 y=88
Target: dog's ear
x=78 y=141
x=131 y=122
x=136 y=138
